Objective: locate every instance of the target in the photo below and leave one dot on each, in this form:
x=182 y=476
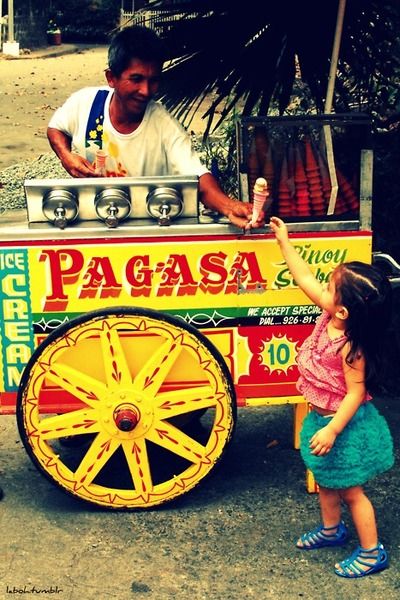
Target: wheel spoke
x=99 y=452
x=71 y=423
x=154 y=372
x=173 y=439
x=84 y=387
x=138 y=463
x=116 y=367
x=171 y=404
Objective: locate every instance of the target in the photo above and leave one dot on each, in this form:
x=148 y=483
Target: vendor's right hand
x=78 y=166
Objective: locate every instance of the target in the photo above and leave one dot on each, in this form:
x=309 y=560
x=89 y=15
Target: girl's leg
x=363 y=515
x=329 y=501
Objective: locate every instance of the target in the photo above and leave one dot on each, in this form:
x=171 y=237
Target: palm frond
x=245 y=54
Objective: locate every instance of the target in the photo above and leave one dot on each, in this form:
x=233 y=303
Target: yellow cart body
x=121 y=338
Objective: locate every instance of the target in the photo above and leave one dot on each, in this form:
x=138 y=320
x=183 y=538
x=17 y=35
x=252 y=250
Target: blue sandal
x=317 y=538
x=353 y=566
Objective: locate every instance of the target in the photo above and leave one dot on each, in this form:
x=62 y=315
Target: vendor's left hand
x=240 y=214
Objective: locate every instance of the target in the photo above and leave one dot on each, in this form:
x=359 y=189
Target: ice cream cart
x=134 y=323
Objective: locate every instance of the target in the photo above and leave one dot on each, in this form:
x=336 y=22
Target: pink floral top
x=319 y=360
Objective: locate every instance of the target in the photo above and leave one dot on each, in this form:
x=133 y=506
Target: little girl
x=344 y=440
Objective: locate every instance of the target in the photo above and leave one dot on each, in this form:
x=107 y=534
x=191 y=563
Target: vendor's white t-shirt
x=159 y=146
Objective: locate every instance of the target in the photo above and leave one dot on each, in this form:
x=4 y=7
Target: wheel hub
x=126 y=417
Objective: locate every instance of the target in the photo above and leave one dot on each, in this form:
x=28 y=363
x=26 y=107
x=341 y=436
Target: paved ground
x=231 y=539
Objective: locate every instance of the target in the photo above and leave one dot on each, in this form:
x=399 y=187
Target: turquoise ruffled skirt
x=363 y=450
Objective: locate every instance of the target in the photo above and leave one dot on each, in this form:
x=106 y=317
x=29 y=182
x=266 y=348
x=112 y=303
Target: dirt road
x=232 y=538
x=32 y=88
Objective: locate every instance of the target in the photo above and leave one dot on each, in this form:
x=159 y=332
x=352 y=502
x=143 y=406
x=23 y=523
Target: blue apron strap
x=94 y=128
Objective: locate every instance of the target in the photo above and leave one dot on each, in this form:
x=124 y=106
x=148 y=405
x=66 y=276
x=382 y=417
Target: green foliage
x=218 y=152
x=251 y=55
x=52 y=27
x=386 y=205
x=215 y=153
x=86 y=20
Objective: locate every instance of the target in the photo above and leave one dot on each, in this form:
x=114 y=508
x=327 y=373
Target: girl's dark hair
x=366 y=293
x=135 y=42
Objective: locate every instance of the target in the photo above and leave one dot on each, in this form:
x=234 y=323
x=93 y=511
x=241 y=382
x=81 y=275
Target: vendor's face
x=136 y=86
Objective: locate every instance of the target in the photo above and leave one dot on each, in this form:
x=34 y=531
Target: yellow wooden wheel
x=125 y=383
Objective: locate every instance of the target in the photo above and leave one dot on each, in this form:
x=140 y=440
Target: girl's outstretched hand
x=279 y=228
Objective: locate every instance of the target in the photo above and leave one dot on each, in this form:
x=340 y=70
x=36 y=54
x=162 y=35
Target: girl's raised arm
x=300 y=270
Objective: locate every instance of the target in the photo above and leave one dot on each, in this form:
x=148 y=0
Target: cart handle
x=391 y=267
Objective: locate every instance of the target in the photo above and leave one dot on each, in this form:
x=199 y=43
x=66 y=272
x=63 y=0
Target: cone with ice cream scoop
x=260 y=195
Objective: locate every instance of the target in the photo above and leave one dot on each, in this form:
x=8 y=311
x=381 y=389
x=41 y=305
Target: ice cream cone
x=260 y=194
x=100 y=162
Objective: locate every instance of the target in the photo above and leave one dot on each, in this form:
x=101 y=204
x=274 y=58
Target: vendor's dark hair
x=135 y=42
x=366 y=293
